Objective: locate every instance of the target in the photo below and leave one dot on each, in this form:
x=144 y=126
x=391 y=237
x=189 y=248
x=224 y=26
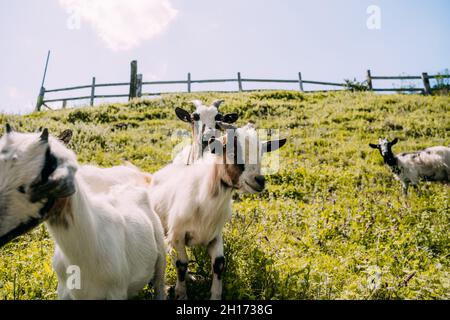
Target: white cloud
x=122 y=24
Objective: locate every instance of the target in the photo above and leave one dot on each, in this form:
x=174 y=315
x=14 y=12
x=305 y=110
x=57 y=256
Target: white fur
x=101 y=180
x=181 y=196
x=191 y=153
x=114 y=238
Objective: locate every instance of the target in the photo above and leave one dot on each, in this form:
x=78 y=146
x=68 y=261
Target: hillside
x=332 y=221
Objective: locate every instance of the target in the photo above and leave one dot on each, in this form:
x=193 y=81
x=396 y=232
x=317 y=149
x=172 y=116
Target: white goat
x=432 y=164
x=194 y=202
x=204 y=127
x=114 y=239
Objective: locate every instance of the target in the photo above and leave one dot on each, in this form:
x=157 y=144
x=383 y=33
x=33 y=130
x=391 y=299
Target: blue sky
x=326 y=40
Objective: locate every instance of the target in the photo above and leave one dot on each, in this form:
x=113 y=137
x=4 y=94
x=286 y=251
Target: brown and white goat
x=194 y=202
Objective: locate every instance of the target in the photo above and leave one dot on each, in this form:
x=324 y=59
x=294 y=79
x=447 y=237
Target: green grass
x=331 y=220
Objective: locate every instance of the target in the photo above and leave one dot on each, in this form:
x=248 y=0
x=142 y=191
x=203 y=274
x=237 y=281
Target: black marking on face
x=181 y=270
x=219 y=266
x=218 y=117
x=196 y=116
x=21 y=189
x=50 y=165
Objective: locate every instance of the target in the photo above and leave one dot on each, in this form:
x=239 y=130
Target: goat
x=432 y=164
x=113 y=238
x=204 y=127
x=194 y=202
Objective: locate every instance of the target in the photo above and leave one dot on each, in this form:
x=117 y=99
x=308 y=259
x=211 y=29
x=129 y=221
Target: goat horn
x=217 y=103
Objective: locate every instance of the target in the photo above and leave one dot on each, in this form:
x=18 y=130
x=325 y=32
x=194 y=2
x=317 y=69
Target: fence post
x=92 y=91
x=139 y=85
x=189 y=82
x=64 y=104
x=40 y=99
x=369 y=81
x=300 y=81
x=426 y=83
x=133 y=78
x=239 y=81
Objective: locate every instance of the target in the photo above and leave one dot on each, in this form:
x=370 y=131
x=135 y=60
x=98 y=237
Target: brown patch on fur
x=214 y=182
x=148 y=178
x=61 y=212
x=224 y=173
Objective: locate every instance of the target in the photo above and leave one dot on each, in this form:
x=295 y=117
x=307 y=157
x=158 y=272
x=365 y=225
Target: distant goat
x=204 y=127
x=432 y=164
x=113 y=238
x=194 y=202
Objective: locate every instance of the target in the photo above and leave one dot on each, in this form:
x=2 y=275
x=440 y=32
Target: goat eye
x=21 y=189
x=219 y=117
x=196 y=116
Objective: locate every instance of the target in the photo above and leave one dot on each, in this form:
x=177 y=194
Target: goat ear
x=230 y=117
x=183 y=115
x=8 y=129
x=394 y=141
x=373 y=145
x=66 y=136
x=44 y=135
x=217 y=103
x=270 y=146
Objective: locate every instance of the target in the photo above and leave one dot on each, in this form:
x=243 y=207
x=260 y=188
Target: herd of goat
x=114 y=223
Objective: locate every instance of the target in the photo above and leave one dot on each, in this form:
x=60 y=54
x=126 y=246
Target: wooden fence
x=136 y=85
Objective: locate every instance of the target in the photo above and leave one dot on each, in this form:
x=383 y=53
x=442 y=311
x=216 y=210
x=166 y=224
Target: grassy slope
x=331 y=220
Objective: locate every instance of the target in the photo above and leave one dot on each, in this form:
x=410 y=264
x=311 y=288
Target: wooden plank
x=300 y=82
x=426 y=83
x=165 y=82
x=69 y=88
x=397 y=89
x=270 y=80
x=112 y=96
x=92 y=92
x=239 y=81
x=325 y=83
x=189 y=82
x=133 y=75
x=40 y=100
x=68 y=99
x=443 y=76
x=139 y=85
x=214 y=80
x=396 y=78
x=369 y=80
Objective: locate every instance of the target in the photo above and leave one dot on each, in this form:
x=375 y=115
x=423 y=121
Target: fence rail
x=136 y=84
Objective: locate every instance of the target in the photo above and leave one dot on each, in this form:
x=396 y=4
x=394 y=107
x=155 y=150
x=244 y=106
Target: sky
x=326 y=40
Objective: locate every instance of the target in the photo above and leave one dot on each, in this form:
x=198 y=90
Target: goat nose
x=260 y=180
